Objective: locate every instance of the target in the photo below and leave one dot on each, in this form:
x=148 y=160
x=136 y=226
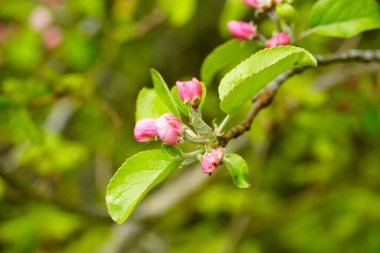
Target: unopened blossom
x=190 y=91
x=242 y=30
x=211 y=160
x=278 y=40
x=145 y=130
x=169 y=128
x=52 y=37
x=40 y=18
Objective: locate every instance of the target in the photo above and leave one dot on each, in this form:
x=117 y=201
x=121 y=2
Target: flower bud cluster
x=167 y=127
x=170 y=130
x=248 y=31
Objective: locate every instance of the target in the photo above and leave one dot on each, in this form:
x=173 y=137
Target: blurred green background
x=70 y=72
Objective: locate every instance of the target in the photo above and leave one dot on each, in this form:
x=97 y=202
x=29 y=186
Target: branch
x=266 y=96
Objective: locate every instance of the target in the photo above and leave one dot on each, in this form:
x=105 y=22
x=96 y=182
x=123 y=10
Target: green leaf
x=226 y=55
x=163 y=92
x=344 y=18
x=135 y=178
x=178 y=12
x=23 y=128
x=253 y=74
x=179 y=103
x=199 y=125
x=238 y=168
x=149 y=105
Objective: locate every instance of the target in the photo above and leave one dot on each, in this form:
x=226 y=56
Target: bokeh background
x=70 y=72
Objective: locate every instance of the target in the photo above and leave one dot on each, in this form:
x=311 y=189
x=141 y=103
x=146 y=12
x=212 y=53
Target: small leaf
x=179 y=103
x=135 y=178
x=226 y=55
x=238 y=168
x=163 y=92
x=199 y=125
x=344 y=18
x=253 y=74
x=149 y=105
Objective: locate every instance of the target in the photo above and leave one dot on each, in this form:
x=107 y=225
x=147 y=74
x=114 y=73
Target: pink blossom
x=145 y=130
x=279 y=39
x=40 y=19
x=52 y=37
x=242 y=30
x=169 y=128
x=190 y=91
x=212 y=160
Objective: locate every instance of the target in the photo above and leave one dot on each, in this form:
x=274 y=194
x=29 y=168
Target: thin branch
x=266 y=96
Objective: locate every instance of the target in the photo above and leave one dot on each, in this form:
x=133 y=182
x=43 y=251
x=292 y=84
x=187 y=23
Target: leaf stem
x=273 y=16
x=222 y=126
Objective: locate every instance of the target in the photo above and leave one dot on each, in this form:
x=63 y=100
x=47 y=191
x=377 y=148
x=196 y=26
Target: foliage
x=228 y=54
x=253 y=74
x=135 y=178
x=72 y=89
x=344 y=18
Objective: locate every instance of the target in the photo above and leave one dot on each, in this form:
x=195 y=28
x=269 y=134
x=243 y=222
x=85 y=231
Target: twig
x=266 y=96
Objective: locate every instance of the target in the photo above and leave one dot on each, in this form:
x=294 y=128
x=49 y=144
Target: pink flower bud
x=242 y=30
x=259 y=4
x=52 y=37
x=40 y=19
x=190 y=91
x=279 y=39
x=145 y=130
x=169 y=128
x=212 y=160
